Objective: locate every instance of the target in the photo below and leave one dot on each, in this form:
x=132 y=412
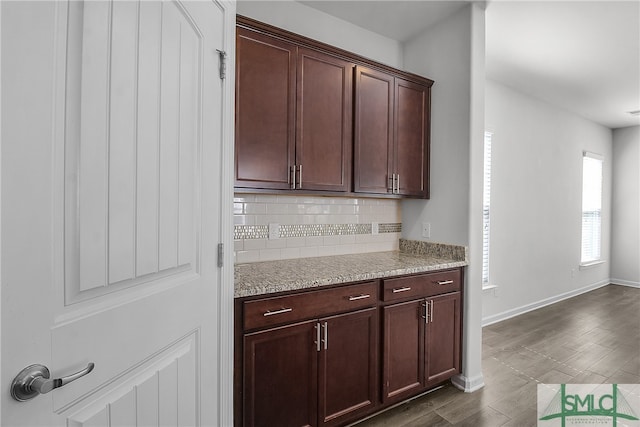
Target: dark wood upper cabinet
x=312 y=117
x=412 y=123
x=323 y=125
x=265 y=113
x=391 y=137
x=373 y=131
x=293 y=116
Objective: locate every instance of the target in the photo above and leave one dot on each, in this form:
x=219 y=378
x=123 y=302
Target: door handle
x=34 y=380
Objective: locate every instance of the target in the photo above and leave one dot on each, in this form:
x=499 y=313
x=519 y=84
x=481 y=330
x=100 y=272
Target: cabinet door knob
x=34 y=380
x=445 y=282
x=404 y=289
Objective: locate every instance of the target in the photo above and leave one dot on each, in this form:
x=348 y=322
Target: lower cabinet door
x=443 y=338
x=403 y=350
x=280 y=376
x=348 y=372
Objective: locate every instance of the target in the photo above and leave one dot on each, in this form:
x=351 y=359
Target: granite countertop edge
x=272 y=277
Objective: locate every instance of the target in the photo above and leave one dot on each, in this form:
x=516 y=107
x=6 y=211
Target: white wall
x=452 y=54
x=312 y=23
x=625 y=221
x=536 y=205
x=443 y=54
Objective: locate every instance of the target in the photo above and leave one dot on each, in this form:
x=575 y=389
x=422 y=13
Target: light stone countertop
x=304 y=273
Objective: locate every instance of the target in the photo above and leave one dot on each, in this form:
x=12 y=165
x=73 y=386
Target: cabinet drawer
x=306 y=305
x=422 y=285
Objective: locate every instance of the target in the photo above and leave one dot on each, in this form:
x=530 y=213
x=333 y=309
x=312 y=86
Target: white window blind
x=486 y=203
x=591 y=207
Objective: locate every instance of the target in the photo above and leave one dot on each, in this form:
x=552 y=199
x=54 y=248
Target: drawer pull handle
x=405 y=289
x=445 y=282
x=364 y=296
x=281 y=311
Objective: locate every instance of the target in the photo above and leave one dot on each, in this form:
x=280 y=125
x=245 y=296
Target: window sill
x=589 y=264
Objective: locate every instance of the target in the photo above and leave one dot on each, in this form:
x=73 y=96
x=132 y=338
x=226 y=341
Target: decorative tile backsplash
x=310 y=230
x=312 y=226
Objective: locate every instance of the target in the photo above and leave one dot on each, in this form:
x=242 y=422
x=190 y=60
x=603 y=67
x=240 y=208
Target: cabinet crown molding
x=252 y=24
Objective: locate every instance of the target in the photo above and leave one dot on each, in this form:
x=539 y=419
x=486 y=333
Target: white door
x=116 y=162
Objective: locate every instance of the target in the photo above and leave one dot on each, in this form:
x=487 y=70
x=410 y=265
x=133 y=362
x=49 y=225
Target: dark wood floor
x=593 y=338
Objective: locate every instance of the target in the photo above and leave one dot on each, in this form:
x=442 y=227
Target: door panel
x=412 y=138
x=133 y=186
x=265 y=110
x=281 y=377
x=149 y=394
x=116 y=140
x=373 y=124
x=323 y=126
x=443 y=339
x=403 y=356
x=348 y=367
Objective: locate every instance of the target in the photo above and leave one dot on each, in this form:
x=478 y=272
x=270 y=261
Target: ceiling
x=583 y=56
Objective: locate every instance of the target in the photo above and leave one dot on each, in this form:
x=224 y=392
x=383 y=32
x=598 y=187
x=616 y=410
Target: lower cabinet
x=348 y=372
x=403 y=350
x=316 y=373
x=281 y=377
x=421 y=345
x=442 y=337
x=330 y=357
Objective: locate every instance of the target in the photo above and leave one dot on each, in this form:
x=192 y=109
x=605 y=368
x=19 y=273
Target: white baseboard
x=625 y=283
x=468 y=385
x=489 y=320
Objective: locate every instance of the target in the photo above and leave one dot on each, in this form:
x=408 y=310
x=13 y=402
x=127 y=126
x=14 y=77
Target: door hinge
x=220 y=254
x=223 y=63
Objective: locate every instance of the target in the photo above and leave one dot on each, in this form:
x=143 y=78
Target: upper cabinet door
x=412 y=124
x=323 y=131
x=373 y=131
x=265 y=110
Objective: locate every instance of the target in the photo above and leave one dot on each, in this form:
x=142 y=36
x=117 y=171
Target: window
x=591 y=208
x=486 y=202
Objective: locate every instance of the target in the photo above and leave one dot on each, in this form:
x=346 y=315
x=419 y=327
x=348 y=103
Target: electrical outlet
x=426 y=229
x=274 y=231
x=374 y=228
